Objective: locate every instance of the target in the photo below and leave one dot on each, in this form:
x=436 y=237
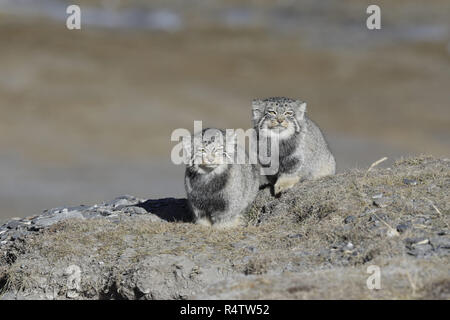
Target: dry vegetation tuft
x=321 y=236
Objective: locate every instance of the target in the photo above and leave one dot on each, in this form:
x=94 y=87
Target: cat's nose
x=281 y=119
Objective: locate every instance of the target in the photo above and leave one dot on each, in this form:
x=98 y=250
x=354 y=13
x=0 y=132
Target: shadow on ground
x=169 y=209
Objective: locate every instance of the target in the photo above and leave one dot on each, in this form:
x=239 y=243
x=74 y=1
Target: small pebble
x=410 y=182
x=402 y=227
x=349 y=219
x=13 y=224
x=297 y=235
x=381 y=203
x=392 y=233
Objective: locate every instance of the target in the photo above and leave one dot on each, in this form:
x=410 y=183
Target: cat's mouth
x=209 y=165
x=278 y=127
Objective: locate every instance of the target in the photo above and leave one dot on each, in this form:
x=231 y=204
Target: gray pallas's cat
x=303 y=151
x=219 y=192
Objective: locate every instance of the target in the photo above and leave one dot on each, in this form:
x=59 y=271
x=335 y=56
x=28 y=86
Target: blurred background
x=86 y=115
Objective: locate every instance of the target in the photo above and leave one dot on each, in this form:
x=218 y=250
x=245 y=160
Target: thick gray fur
x=303 y=151
x=219 y=195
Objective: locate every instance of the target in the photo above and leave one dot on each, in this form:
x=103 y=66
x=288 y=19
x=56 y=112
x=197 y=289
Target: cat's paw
x=233 y=223
x=203 y=222
x=283 y=184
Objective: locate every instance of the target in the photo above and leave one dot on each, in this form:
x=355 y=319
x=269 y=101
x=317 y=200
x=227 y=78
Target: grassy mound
x=315 y=241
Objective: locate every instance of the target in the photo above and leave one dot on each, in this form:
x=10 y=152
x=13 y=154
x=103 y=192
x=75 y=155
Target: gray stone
x=295 y=236
x=382 y=202
x=349 y=219
x=368 y=211
x=412 y=241
x=402 y=227
x=105 y=211
x=63 y=215
x=440 y=242
x=19 y=234
x=125 y=200
x=419 y=220
x=134 y=210
x=420 y=250
x=349 y=246
x=14 y=224
x=410 y=182
x=91 y=214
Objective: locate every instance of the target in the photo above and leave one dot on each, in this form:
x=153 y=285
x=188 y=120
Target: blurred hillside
x=87 y=115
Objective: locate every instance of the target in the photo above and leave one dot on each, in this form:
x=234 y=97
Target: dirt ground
x=316 y=241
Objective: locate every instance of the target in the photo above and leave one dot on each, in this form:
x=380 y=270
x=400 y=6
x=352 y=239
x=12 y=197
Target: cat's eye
x=289 y=113
x=272 y=112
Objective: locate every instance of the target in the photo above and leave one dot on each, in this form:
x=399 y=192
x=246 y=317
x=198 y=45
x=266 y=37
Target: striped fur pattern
x=219 y=193
x=303 y=150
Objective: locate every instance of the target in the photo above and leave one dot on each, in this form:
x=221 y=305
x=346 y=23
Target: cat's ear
x=301 y=109
x=257 y=109
x=213 y=135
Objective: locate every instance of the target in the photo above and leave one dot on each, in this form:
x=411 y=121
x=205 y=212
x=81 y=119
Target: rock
x=410 y=182
x=105 y=211
x=368 y=211
x=402 y=227
x=349 y=219
x=419 y=220
x=134 y=210
x=382 y=202
x=14 y=224
x=392 y=233
x=63 y=215
x=295 y=236
x=125 y=200
x=20 y=234
x=440 y=242
x=420 y=250
x=418 y=247
x=349 y=246
x=412 y=241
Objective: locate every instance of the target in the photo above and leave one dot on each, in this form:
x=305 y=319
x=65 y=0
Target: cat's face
x=278 y=115
x=209 y=150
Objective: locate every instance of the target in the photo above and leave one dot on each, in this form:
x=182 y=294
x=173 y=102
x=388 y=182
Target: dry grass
x=308 y=229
